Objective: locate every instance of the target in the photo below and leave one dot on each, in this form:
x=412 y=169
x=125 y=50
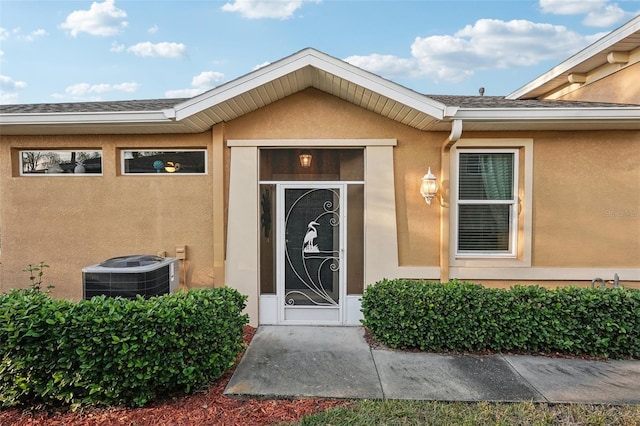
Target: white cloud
x=258 y=9
x=599 y=13
x=16 y=32
x=161 y=50
x=200 y=83
x=35 y=34
x=117 y=47
x=571 y=7
x=9 y=89
x=102 y=19
x=92 y=91
x=487 y=44
x=153 y=29
x=262 y=65
x=388 y=66
x=207 y=79
x=607 y=17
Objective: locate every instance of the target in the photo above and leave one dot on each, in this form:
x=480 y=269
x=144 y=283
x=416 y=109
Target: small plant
x=35 y=275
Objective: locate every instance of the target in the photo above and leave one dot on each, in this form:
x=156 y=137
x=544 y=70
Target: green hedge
x=113 y=351
x=459 y=316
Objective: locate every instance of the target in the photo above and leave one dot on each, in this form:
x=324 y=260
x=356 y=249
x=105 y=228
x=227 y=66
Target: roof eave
x=136 y=122
x=558 y=114
x=319 y=60
x=601 y=45
x=142 y=117
x=549 y=118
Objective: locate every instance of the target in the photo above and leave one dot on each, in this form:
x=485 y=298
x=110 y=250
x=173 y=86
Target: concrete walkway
x=337 y=362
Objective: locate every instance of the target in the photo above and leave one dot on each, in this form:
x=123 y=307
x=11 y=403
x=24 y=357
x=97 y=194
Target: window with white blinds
x=487 y=215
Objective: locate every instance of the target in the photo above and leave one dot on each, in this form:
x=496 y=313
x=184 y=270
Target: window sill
x=490 y=262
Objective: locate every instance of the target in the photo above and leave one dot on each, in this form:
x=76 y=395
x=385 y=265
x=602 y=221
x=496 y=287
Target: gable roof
x=624 y=39
x=310 y=68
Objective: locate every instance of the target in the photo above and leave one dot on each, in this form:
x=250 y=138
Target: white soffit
x=623 y=39
x=479 y=119
x=305 y=69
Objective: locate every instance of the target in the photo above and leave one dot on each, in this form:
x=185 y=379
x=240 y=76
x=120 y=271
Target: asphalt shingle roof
x=488 y=102
x=78 y=107
x=501 y=102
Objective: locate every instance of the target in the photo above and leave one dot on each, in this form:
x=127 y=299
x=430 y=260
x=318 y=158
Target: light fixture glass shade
x=429 y=186
x=305 y=159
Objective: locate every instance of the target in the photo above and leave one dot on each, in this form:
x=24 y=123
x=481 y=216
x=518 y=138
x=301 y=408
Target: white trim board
x=293 y=143
x=545 y=274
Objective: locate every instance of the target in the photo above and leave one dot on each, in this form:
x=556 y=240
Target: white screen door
x=310 y=252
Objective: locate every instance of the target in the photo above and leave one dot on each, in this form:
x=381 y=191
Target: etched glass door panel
x=312 y=247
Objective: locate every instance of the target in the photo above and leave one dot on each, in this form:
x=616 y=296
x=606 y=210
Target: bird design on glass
x=309 y=243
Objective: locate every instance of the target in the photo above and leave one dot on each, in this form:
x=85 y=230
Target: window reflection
x=167 y=162
x=60 y=162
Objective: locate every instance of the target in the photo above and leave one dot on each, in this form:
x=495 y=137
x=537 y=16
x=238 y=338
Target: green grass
x=365 y=413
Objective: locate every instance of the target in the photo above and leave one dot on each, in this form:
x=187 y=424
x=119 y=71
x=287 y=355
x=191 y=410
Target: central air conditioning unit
x=130 y=276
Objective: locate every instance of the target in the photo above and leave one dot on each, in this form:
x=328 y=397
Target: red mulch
x=208 y=408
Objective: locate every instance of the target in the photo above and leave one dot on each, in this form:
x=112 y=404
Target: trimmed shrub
x=459 y=316
x=113 y=351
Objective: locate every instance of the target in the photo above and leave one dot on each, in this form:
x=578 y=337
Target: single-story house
x=304 y=181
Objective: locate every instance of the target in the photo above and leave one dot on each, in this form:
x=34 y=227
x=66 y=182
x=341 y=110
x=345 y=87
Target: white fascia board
x=546 y=114
x=314 y=58
x=379 y=85
x=237 y=87
x=599 y=46
x=85 y=118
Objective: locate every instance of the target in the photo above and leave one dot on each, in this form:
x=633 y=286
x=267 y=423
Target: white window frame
x=123 y=171
x=521 y=204
x=58 y=174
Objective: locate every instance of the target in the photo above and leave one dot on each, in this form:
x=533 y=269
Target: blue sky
x=68 y=51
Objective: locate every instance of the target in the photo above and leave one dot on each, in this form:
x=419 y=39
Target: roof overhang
x=305 y=69
x=311 y=69
x=561 y=119
x=624 y=39
x=90 y=123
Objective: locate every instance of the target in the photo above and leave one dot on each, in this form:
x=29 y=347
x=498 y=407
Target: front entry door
x=311 y=267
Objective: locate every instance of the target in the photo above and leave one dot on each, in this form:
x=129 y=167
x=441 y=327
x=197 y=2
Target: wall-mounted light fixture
x=305 y=159
x=429 y=186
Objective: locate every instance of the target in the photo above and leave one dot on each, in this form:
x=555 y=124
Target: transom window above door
x=311 y=164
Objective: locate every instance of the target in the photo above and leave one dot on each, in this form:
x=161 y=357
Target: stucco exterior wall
x=313 y=114
x=587 y=199
x=586 y=196
x=74 y=221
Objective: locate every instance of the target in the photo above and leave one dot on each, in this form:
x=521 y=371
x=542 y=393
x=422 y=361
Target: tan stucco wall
x=313 y=114
x=619 y=87
x=586 y=196
x=587 y=199
x=74 y=221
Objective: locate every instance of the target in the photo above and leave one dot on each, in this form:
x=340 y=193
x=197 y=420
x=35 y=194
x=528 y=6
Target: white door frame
x=317 y=315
